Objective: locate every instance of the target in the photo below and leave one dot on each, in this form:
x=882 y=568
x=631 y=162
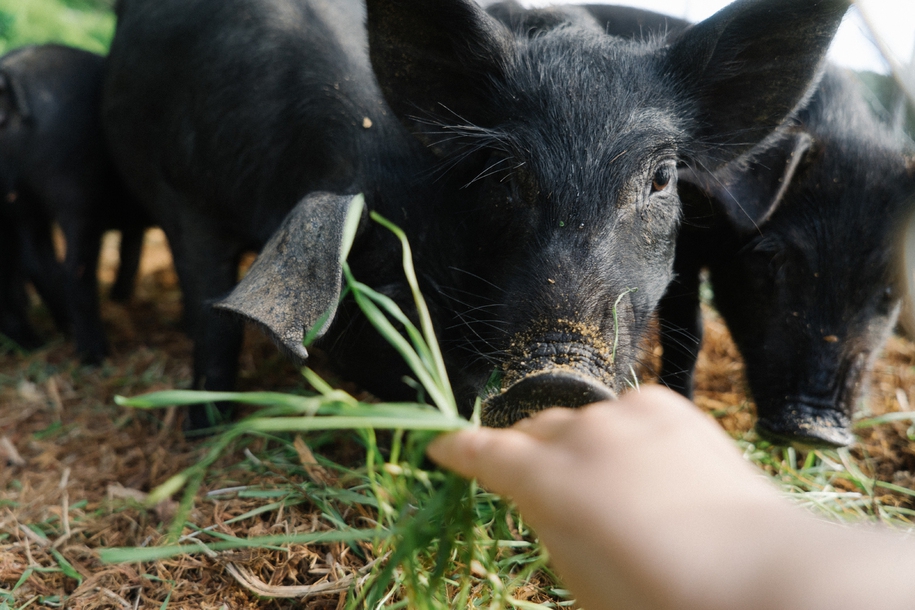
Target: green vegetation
x=88 y=24
x=885 y=96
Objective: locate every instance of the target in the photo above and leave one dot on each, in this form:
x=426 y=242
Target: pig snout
x=555 y=388
x=817 y=413
x=807 y=421
x=571 y=367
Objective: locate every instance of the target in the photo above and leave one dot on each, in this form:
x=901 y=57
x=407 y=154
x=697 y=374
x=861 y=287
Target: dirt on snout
x=581 y=349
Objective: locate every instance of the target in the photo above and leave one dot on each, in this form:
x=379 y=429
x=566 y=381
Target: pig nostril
x=542 y=391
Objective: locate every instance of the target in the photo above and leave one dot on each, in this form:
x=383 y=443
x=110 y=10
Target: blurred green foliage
x=886 y=98
x=88 y=24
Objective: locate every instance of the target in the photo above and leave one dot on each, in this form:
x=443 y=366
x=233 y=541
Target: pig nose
x=542 y=391
x=810 y=425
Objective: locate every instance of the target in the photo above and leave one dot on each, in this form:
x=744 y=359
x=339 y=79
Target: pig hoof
x=805 y=425
x=542 y=391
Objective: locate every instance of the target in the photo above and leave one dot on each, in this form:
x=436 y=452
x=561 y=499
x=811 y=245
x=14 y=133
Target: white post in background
x=900 y=72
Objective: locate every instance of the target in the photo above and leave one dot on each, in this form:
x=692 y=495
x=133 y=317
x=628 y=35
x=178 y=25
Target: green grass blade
x=166 y=490
x=423 y=310
x=351 y=224
x=886 y=418
x=342 y=422
x=307 y=405
x=315 y=330
x=350 y=228
x=66 y=567
x=377 y=318
x=328 y=392
x=616 y=324
x=136 y=554
x=387 y=304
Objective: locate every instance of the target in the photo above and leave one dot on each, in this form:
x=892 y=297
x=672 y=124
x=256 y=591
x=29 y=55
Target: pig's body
x=54 y=167
x=490 y=149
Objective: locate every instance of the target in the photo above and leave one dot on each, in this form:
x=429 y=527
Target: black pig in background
x=535 y=176
x=802 y=239
x=801 y=242
x=55 y=167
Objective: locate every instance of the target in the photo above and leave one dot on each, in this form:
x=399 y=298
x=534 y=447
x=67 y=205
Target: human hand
x=645 y=503
x=610 y=487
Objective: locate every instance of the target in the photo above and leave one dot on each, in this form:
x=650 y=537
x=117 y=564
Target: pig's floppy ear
x=750 y=190
x=297 y=277
x=747 y=67
x=435 y=59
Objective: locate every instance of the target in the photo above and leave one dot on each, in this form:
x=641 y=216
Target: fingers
x=547 y=425
x=499 y=458
x=508 y=460
x=655 y=397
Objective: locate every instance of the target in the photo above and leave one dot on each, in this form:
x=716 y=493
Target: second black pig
x=55 y=167
x=800 y=241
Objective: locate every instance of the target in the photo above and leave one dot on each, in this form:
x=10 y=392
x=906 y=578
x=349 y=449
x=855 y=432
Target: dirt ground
x=73 y=466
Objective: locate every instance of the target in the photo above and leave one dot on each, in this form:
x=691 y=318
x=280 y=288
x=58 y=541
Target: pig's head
x=812 y=296
x=550 y=239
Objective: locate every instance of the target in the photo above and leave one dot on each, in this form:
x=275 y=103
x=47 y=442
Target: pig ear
x=435 y=59
x=295 y=282
x=750 y=190
x=748 y=66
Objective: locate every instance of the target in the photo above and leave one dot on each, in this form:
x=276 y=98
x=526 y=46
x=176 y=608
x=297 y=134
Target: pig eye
x=663 y=176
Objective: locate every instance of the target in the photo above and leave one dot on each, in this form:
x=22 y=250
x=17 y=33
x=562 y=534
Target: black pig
x=54 y=167
x=826 y=197
x=535 y=176
x=799 y=240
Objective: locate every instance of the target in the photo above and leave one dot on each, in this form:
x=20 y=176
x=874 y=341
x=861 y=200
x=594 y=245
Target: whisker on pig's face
x=475 y=276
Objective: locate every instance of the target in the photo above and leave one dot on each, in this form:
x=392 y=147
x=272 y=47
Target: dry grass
x=73 y=467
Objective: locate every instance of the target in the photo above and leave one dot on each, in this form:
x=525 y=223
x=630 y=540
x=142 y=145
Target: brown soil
x=80 y=465
x=73 y=465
